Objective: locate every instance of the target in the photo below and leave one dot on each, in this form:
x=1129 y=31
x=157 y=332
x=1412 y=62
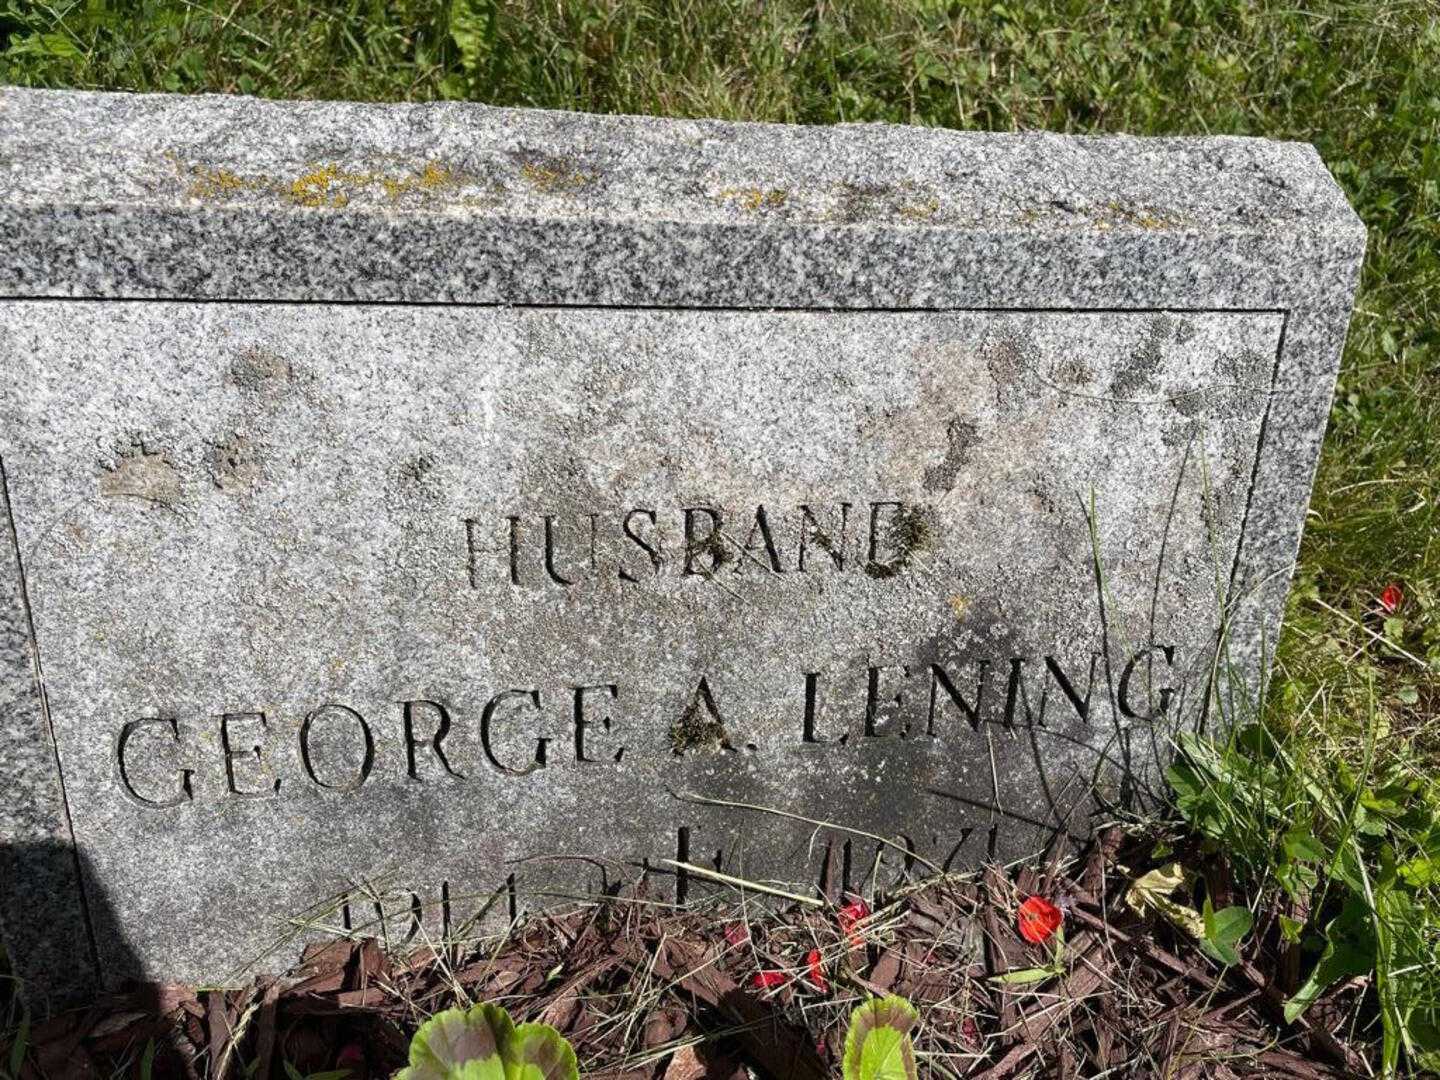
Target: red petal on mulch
x=852 y=913
x=768 y=980
x=1038 y=919
x=737 y=934
x=815 y=972
x=1391 y=598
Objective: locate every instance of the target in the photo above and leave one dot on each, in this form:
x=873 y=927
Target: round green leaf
x=877 y=1047
x=539 y=1052
x=460 y=1045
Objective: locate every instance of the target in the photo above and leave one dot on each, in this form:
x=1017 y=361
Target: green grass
x=1342 y=858
x=1355 y=710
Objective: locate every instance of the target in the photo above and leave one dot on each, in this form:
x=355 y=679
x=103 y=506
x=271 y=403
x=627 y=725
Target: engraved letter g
x=183 y=792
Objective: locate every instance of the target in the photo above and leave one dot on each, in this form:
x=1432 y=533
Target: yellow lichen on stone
x=755 y=198
x=313 y=188
x=215 y=182
x=1141 y=216
x=331 y=186
x=434 y=177
x=208 y=183
x=553 y=177
x=322 y=186
x=920 y=211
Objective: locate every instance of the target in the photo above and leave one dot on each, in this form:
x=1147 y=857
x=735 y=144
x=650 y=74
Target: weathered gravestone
x=429 y=495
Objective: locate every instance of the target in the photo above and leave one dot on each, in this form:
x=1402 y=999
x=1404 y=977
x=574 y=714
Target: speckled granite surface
x=240 y=198
x=520 y=470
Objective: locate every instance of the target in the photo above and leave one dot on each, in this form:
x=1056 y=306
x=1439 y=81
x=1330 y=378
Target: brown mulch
x=646 y=991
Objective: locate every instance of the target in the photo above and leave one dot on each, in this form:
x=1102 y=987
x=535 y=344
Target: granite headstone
x=416 y=514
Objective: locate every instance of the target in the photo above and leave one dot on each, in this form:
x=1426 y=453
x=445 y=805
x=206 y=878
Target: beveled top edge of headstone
x=82 y=149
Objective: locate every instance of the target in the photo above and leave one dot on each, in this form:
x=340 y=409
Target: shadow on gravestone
x=51 y=931
x=1126 y=773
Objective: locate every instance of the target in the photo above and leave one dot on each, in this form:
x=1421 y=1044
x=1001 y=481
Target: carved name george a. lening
x=520 y=730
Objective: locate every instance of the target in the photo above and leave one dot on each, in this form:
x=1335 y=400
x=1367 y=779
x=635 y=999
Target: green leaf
x=22 y=1044
x=1223 y=931
x=460 y=1045
x=1346 y=868
x=539 y=1052
x=1303 y=847
x=1188 y=785
x=1419 y=872
x=1422 y=868
x=484 y=1044
x=883 y=1057
x=53 y=45
x=1290 y=929
x=1370 y=823
x=1024 y=975
x=1295 y=878
x=473 y=25
x=877 y=1046
x=1350 y=949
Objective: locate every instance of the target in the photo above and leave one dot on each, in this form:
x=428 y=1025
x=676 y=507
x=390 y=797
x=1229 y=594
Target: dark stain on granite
x=910 y=531
x=234 y=464
x=142 y=473
x=1136 y=375
x=962 y=436
x=255 y=368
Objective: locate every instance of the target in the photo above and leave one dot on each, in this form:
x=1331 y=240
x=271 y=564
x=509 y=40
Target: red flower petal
x=768 y=980
x=848 y=916
x=816 y=972
x=852 y=913
x=1391 y=598
x=737 y=934
x=1038 y=919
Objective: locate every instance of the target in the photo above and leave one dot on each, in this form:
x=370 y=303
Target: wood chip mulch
x=733 y=988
